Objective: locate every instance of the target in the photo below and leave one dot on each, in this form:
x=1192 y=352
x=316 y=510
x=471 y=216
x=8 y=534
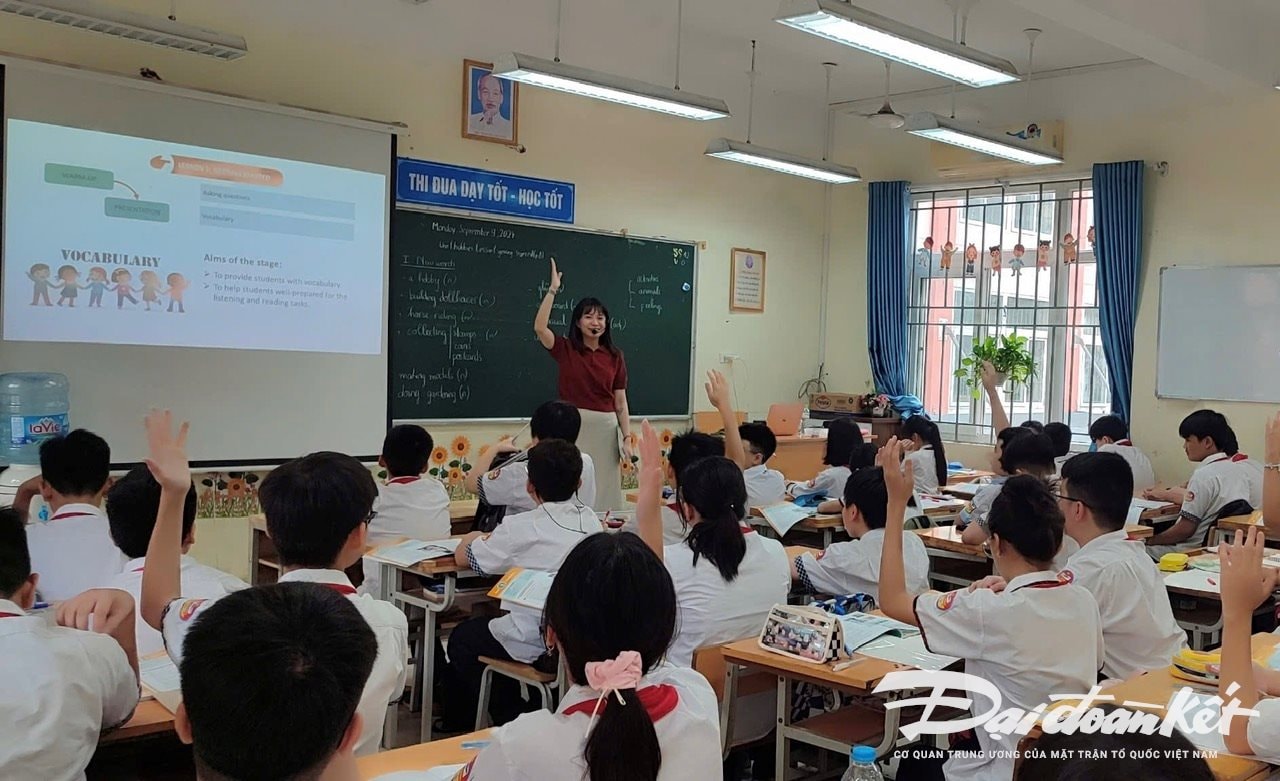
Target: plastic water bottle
x=862 y=765
x=34 y=406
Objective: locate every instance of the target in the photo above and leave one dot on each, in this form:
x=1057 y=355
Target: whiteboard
x=1219 y=334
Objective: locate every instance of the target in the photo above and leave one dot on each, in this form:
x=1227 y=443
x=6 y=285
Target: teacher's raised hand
x=556 y=277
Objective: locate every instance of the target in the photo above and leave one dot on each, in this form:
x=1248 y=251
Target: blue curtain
x=887 y=241
x=1117 y=208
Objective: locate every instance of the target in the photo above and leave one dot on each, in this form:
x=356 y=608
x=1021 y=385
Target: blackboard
x=464 y=293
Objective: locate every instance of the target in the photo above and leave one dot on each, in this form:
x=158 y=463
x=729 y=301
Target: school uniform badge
x=1066 y=576
x=189 y=608
x=947 y=600
x=820 y=554
x=493 y=475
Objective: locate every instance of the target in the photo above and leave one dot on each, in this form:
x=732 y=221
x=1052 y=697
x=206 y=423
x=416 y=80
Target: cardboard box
x=835 y=402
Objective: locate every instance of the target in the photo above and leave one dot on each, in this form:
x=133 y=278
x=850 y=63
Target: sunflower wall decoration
x=631 y=466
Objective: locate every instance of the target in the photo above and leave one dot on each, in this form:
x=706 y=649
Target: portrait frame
x=746 y=281
x=472 y=107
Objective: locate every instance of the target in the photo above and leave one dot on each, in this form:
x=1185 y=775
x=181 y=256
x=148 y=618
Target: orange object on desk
x=150 y=718
x=422 y=756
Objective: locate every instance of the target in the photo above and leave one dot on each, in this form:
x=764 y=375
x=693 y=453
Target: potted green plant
x=1010 y=355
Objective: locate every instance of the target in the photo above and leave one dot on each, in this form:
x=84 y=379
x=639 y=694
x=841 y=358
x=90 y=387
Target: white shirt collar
x=76 y=508
x=332 y=577
x=135 y=564
x=755 y=470
x=1029 y=579
x=872 y=534
x=1214 y=458
x=11 y=607
x=1103 y=540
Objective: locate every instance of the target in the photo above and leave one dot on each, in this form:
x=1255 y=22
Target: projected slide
x=122 y=240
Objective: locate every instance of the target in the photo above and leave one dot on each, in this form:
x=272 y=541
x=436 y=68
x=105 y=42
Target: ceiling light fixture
x=92 y=17
x=949 y=131
x=852 y=26
x=553 y=74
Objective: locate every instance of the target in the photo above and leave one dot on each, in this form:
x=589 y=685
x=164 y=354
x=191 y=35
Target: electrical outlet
x=728 y=357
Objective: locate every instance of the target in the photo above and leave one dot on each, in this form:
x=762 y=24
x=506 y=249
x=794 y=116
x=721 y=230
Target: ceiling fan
x=886 y=117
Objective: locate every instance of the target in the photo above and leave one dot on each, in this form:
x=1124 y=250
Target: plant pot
x=1001 y=379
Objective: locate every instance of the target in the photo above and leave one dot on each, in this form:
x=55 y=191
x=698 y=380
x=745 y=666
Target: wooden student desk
x=1200 y=611
x=150 y=718
x=422 y=756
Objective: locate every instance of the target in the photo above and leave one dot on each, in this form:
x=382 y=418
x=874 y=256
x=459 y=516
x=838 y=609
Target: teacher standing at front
x=593 y=378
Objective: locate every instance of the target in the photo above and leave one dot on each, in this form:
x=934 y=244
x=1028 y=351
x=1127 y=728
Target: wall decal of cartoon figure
x=970 y=257
x=177 y=286
x=68 y=275
x=948 y=250
x=150 y=282
x=39 y=276
x=1016 y=262
x=924 y=257
x=1042 y=254
x=1068 y=249
x=997 y=257
x=1092 y=236
x=97 y=285
x=122 y=279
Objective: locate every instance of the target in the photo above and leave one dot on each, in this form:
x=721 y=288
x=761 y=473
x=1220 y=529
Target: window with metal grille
x=1011 y=260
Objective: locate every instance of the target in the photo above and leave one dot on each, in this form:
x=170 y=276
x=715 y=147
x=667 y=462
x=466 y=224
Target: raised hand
x=167 y=452
x=650 y=458
x=1245 y=582
x=556 y=277
x=101 y=610
x=990 y=378
x=899 y=480
x=718 y=390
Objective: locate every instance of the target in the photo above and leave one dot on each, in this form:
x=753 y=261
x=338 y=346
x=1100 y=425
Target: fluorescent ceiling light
x=843 y=23
x=783 y=162
x=538 y=72
x=948 y=131
x=86 y=15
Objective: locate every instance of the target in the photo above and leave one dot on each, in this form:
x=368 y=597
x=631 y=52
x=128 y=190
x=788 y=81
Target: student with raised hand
x=73 y=551
x=1138 y=627
x=537 y=540
x=505 y=485
x=318 y=509
x=843 y=435
x=411 y=503
x=854 y=567
x=1246 y=584
x=1224 y=475
x=727 y=577
x=132 y=506
x=1030 y=633
x=1110 y=434
x=66 y=680
x=926 y=454
x=272 y=682
x=611 y=614
x=765 y=486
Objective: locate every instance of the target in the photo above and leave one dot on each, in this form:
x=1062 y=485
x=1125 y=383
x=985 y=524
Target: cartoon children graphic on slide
x=70 y=287
x=97 y=285
x=177 y=286
x=121 y=277
x=39 y=276
x=150 y=289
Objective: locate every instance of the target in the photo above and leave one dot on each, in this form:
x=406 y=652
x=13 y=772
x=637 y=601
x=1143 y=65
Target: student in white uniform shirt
x=926 y=454
x=537 y=540
x=411 y=503
x=132 y=505
x=303 y=722
x=611 y=614
x=843 y=435
x=765 y=486
x=863 y=456
x=853 y=567
x=73 y=551
x=62 y=685
x=317 y=509
x=1138 y=627
x=1030 y=634
x=1110 y=435
x=1224 y=475
x=507 y=484
x=1245 y=585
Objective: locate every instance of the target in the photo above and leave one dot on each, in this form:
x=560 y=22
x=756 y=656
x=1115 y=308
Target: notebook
x=785 y=515
x=410 y=552
x=525 y=587
x=858 y=629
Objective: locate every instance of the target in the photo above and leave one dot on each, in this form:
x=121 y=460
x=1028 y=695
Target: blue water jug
x=34 y=406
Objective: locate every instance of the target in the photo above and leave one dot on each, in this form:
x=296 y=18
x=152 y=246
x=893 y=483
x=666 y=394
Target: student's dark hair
x=406 y=450
x=842 y=435
x=76 y=464
x=587 y=306
x=1080 y=756
x=15 y=556
x=1104 y=483
x=1060 y=435
x=865 y=489
x=862 y=456
x=1034 y=425
x=1026 y=515
x=271 y=678
x=1013 y=432
x=715 y=488
x=555 y=469
x=612 y=594
x=691 y=446
x=313 y=504
x=556 y=420
x=1108 y=426
x=928 y=431
x=1207 y=424
x=1032 y=454
x=759 y=438
x=132 y=505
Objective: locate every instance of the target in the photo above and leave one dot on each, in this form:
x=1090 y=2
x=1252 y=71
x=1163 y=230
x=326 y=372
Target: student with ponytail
x=611 y=614
x=928 y=457
x=1029 y=632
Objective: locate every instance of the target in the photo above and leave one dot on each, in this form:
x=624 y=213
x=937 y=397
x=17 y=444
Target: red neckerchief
x=139 y=569
x=1044 y=584
x=658 y=700
x=1238 y=457
x=60 y=516
x=1125 y=443
x=403 y=480
x=10 y=615
x=341 y=588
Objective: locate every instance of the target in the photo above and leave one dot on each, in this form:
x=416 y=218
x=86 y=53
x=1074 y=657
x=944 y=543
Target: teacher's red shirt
x=588 y=378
